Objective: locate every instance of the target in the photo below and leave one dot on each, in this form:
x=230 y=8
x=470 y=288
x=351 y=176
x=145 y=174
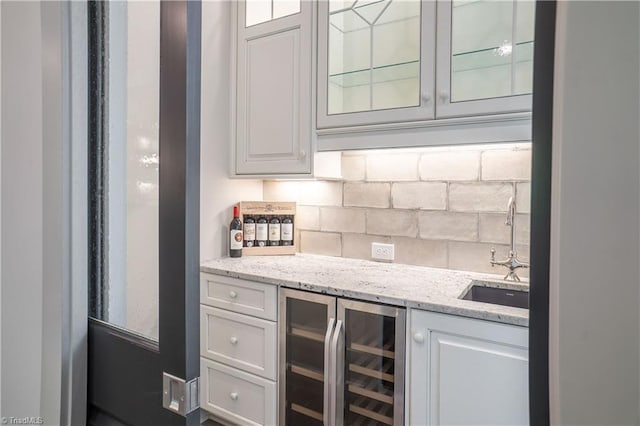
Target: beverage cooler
x=341 y=361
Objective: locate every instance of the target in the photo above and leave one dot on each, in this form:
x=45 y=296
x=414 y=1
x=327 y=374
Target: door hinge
x=179 y=396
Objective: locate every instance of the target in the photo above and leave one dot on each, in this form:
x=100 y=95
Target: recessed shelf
x=489 y=58
x=377 y=75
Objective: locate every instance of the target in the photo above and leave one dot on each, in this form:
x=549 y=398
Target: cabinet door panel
x=475 y=382
x=484 y=57
x=273 y=111
x=375 y=62
x=466 y=372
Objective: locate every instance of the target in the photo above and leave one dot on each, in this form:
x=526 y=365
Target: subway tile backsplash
x=443 y=208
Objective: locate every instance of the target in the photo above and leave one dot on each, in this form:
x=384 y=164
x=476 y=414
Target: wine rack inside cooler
x=306 y=322
x=373 y=365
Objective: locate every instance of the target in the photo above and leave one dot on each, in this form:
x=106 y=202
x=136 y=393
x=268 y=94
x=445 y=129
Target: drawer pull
x=418 y=337
x=233 y=395
x=233 y=294
x=233 y=340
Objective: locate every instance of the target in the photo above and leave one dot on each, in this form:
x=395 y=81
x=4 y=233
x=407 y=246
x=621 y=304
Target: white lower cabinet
x=239 y=350
x=238 y=397
x=465 y=371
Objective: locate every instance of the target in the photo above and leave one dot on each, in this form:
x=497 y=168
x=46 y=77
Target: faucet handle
x=493 y=256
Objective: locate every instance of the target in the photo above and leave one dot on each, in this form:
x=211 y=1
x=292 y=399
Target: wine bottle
x=261 y=231
x=274 y=231
x=286 y=230
x=235 y=237
x=249 y=231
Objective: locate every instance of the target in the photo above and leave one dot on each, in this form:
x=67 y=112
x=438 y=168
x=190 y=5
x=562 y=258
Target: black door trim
x=125 y=369
x=542 y=126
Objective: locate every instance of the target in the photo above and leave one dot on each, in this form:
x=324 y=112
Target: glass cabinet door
x=375 y=61
x=485 y=57
x=372 y=388
x=306 y=320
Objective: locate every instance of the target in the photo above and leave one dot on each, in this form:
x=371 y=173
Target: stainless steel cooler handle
x=336 y=376
x=328 y=355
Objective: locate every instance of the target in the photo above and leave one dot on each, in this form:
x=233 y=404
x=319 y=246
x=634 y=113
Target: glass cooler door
x=306 y=321
x=370 y=386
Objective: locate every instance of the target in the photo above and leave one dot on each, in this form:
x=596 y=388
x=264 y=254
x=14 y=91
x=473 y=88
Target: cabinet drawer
x=242 y=296
x=236 y=396
x=240 y=341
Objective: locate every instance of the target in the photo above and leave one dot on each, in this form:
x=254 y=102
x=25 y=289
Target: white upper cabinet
x=375 y=61
x=484 y=57
x=273 y=96
x=396 y=73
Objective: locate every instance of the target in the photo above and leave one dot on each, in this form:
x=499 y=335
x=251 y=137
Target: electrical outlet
x=382 y=251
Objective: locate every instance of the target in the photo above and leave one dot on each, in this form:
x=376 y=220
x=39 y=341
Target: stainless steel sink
x=498 y=296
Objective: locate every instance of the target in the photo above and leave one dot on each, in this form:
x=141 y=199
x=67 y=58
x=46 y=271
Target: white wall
x=594 y=319
x=36 y=266
x=218 y=193
x=22 y=208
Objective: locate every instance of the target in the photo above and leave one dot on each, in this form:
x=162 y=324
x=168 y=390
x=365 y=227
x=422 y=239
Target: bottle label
x=235 y=242
x=274 y=232
x=287 y=232
x=261 y=232
x=249 y=231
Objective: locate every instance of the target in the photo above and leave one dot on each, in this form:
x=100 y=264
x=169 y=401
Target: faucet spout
x=511 y=262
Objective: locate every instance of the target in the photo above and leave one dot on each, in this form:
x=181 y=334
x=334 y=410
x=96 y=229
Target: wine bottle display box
x=281 y=210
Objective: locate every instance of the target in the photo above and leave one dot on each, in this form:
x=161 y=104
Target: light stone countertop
x=420 y=287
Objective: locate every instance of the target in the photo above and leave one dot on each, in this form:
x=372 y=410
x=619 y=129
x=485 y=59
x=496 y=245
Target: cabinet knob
x=418 y=337
x=426 y=98
x=444 y=95
x=233 y=294
x=233 y=340
x=303 y=153
x=233 y=395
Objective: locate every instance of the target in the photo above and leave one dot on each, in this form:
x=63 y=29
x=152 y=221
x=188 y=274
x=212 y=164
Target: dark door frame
x=542 y=125
x=125 y=370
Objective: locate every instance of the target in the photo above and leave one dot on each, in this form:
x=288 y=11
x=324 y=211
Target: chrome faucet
x=512 y=262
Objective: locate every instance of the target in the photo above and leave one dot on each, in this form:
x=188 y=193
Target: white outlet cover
x=381 y=251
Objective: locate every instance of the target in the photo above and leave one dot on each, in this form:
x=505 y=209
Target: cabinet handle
x=418 y=337
x=233 y=340
x=444 y=95
x=328 y=362
x=233 y=294
x=426 y=98
x=303 y=153
x=233 y=395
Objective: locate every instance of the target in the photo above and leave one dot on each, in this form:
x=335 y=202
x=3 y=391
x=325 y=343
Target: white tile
x=483 y=197
x=506 y=165
x=476 y=257
x=403 y=223
x=419 y=195
x=342 y=219
x=450 y=165
x=307 y=217
x=367 y=194
x=411 y=251
x=523 y=197
x=325 y=243
x=392 y=167
x=448 y=226
x=493 y=228
x=358 y=246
